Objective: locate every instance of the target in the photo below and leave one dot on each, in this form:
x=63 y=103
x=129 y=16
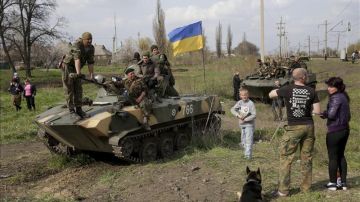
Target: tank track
x=197 y=126
x=53 y=145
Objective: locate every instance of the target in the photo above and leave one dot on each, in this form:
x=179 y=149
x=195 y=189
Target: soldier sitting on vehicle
x=138 y=94
x=166 y=80
x=293 y=63
x=147 y=70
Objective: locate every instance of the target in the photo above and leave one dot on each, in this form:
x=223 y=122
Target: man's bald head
x=299 y=74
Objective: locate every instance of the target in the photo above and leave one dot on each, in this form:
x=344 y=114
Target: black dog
x=252 y=188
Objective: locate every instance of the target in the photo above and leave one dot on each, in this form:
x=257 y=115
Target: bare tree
x=127 y=50
x=30 y=25
x=229 y=40
x=218 y=40
x=6 y=22
x=144 y=44
x=159 y=28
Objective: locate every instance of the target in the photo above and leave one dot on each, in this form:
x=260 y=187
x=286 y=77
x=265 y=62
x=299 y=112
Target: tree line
x=25 y=24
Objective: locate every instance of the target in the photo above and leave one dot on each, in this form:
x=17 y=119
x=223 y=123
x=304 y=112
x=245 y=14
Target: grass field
x=222 y=168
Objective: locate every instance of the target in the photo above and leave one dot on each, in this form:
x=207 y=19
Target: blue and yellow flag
x=187 y=38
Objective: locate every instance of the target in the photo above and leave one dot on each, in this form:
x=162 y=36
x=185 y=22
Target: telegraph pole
x=325 y=37
x=114 y=39
x=262 y=48
x=309 y=45
x=281 y=33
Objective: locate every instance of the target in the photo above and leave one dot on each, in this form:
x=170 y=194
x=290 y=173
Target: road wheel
x=166 y=146
x=149 y=150
x=127 y=147
x=182 y=140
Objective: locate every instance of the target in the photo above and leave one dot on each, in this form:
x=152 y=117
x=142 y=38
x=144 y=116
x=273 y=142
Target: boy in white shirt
x=245 y=111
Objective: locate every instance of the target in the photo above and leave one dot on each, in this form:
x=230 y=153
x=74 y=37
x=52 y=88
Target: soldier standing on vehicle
x=166 y=80
x=81 y=53
x=138 y=94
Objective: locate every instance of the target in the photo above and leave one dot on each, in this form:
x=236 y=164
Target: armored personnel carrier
x=260 y=86
x=116 y=127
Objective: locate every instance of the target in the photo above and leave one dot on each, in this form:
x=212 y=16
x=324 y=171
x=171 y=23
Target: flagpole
x=203 y=64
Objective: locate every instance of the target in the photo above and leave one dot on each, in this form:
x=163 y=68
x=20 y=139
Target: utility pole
x=114 y=40
x=262 y=46
x=325 y=37
x=299 y=48
x=309 y=45
x=286 y=45
x=338 y=41
x=281 y=34
x=347 y=38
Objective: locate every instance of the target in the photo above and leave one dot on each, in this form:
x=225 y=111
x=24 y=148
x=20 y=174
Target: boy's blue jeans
x=247 y=139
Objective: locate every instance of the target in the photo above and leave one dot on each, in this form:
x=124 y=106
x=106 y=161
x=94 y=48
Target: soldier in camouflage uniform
x=166 y=80
x=81 y=53
x=301 y=102
x=138 y=94
x=147 y=69
x=293 y=64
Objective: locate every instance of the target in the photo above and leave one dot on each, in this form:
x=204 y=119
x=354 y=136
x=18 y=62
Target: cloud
x=219 y=10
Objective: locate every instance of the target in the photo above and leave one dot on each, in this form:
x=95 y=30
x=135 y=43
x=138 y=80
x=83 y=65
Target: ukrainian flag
x=187 y=38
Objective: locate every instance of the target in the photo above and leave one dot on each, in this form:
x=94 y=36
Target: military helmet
x=129 y=69
x=99 y=78
x=146 y=53
x=86 y=35
x=153 y=47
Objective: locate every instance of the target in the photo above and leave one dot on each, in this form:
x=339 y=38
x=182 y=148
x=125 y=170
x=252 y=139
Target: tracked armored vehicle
x=116 y=127
x=260 y=86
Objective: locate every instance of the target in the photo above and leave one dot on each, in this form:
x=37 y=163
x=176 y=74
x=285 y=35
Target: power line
x=347 y=5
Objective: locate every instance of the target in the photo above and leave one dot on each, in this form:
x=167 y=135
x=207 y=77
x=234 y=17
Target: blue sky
x=302 y=19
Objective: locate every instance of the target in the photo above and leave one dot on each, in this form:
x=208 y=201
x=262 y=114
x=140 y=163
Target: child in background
x=245 y=111
x=29 y=94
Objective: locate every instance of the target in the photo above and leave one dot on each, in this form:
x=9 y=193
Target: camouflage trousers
x=72 y=87
x=297 y=135
x=16 y=100
x=146 y=106
x=164 y=88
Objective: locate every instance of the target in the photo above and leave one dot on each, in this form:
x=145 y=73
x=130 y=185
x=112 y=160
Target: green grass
x=19 y=126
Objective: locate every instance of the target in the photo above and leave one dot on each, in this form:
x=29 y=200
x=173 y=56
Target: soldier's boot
x=71 y=110
x=81 y=113
x=146 y=123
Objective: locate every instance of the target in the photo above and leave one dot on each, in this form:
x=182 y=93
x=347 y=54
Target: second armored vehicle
x=260 y=86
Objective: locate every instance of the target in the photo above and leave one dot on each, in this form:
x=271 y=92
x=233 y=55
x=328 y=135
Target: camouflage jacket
x=78 y=51
x=135 y=87
x=148 y=69
x=163 y=66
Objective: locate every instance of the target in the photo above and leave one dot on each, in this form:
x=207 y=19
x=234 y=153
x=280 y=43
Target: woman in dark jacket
x=338 y=117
